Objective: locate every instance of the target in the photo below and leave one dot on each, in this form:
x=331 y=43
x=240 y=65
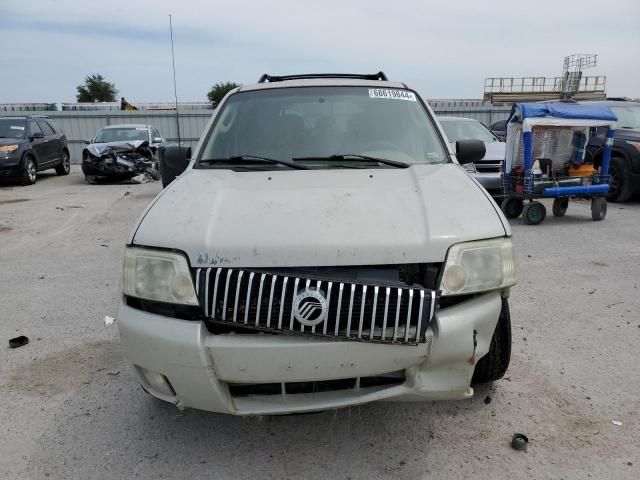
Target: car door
x=38 y=143
x=52 y=142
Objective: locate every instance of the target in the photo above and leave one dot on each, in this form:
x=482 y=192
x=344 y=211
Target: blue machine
x=555 y=167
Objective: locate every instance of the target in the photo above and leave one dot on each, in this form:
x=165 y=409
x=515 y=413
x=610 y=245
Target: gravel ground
x=72 y=409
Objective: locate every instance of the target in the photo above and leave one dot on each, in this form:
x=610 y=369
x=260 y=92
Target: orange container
x=585 y=170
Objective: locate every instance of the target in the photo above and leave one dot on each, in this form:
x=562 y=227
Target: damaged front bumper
x=120 y=159
x=261 y=373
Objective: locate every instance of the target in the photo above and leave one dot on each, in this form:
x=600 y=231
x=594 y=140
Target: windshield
x=628 y=116
x=467 y=130
x=10 y=128
x=127 y=134
x=312 y=123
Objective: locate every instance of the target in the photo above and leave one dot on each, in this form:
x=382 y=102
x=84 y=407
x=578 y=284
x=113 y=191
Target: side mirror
x=469 y=151
x=173 y=161
x=37 y=135
x=86 y=141
x=157 y=140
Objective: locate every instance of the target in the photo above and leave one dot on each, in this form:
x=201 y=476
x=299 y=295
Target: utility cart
x=545 y=158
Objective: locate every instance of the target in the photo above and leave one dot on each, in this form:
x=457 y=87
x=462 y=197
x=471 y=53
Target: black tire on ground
x=512 y=207
x=494 y=364
x=619 y=186
x=560 y=206
x=65 y=165
x=598 y=208
x=91 y=179
x=534 y=213
x=29 y=171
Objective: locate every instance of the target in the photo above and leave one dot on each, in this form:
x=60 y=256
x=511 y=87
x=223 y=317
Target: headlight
x=7 y=149
x=479 y=266
x=158 y=275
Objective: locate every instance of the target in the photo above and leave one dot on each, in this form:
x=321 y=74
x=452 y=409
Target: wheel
x=619 y=186
x=65 y=166
x=91 y=179
x=598 y=208
x=29 y=171
x=534 y=213
x=560 y=206
x=512 y=207
x=494 y=364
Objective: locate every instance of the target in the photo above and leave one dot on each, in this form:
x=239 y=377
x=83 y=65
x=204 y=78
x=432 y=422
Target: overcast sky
x=443 y=49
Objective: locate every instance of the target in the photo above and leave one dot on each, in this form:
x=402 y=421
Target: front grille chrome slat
x=263 y=301
x=226 y=295
x=274 y=279
x=262 y=277
x=235 y=304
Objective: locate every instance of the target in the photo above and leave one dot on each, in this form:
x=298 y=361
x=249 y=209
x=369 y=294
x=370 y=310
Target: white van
x=321 y=248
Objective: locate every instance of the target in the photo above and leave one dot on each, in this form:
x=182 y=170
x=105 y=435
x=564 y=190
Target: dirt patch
x=4 y=229
x=14 y=200
x=60 y=371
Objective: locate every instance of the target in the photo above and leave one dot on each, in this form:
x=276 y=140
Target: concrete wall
x=79 y=125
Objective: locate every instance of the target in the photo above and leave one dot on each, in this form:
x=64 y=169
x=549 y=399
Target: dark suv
x=625 y=160
x=31 y=144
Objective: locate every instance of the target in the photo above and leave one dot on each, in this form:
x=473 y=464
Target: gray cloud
x=443 y=49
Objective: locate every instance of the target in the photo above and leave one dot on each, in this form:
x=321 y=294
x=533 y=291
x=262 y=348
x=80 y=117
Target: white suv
x=322 y=248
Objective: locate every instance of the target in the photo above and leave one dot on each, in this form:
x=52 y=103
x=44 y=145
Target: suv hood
x=628 y=134
x=494 y=150
x=11 y=141
x=319 y=217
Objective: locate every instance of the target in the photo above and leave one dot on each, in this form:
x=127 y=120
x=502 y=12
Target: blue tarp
x=564 y=110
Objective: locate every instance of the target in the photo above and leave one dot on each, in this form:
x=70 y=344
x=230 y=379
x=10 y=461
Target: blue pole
x=606 y=153
x=527 y=139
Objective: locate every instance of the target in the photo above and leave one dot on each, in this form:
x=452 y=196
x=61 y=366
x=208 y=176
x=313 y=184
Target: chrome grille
x=354 y=311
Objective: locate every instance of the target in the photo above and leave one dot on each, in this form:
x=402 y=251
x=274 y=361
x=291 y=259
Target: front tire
x=560 y=206
x=534 y=213
x=65 y=166
x=512 y=207
x=29 y=171
x=619 y=186
x=598 y=208
x=494 y=364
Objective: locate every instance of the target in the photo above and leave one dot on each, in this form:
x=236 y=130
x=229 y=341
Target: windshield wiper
x=248 y=158
x=365 y=158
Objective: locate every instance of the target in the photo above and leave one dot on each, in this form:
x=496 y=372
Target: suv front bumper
x=200 y=366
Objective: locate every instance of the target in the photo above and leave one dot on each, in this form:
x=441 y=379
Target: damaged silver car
x=123 y=152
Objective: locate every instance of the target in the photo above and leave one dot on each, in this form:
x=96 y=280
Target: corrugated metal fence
x=79 y=126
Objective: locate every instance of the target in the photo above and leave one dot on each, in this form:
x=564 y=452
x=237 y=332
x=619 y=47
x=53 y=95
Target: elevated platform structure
x=498 y=90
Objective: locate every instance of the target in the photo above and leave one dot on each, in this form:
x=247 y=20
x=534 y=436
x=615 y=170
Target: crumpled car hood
x=99 y=149
x=319 y=217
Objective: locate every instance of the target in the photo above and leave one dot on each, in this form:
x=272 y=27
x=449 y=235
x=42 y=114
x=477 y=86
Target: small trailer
x=545 y=158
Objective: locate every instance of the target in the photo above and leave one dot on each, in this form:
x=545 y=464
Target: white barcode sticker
x=392 y=93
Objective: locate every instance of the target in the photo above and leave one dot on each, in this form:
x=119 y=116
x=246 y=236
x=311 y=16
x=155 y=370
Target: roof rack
x=281 y=78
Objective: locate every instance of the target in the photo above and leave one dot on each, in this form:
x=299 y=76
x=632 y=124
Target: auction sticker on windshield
x=392 y=94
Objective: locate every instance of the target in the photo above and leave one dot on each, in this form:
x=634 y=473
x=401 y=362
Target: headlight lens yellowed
x=158 y=275
x=8 y=148
x=479 y=266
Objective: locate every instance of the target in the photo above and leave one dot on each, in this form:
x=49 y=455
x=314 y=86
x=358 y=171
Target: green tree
x=219 y=90
x=96 y=89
